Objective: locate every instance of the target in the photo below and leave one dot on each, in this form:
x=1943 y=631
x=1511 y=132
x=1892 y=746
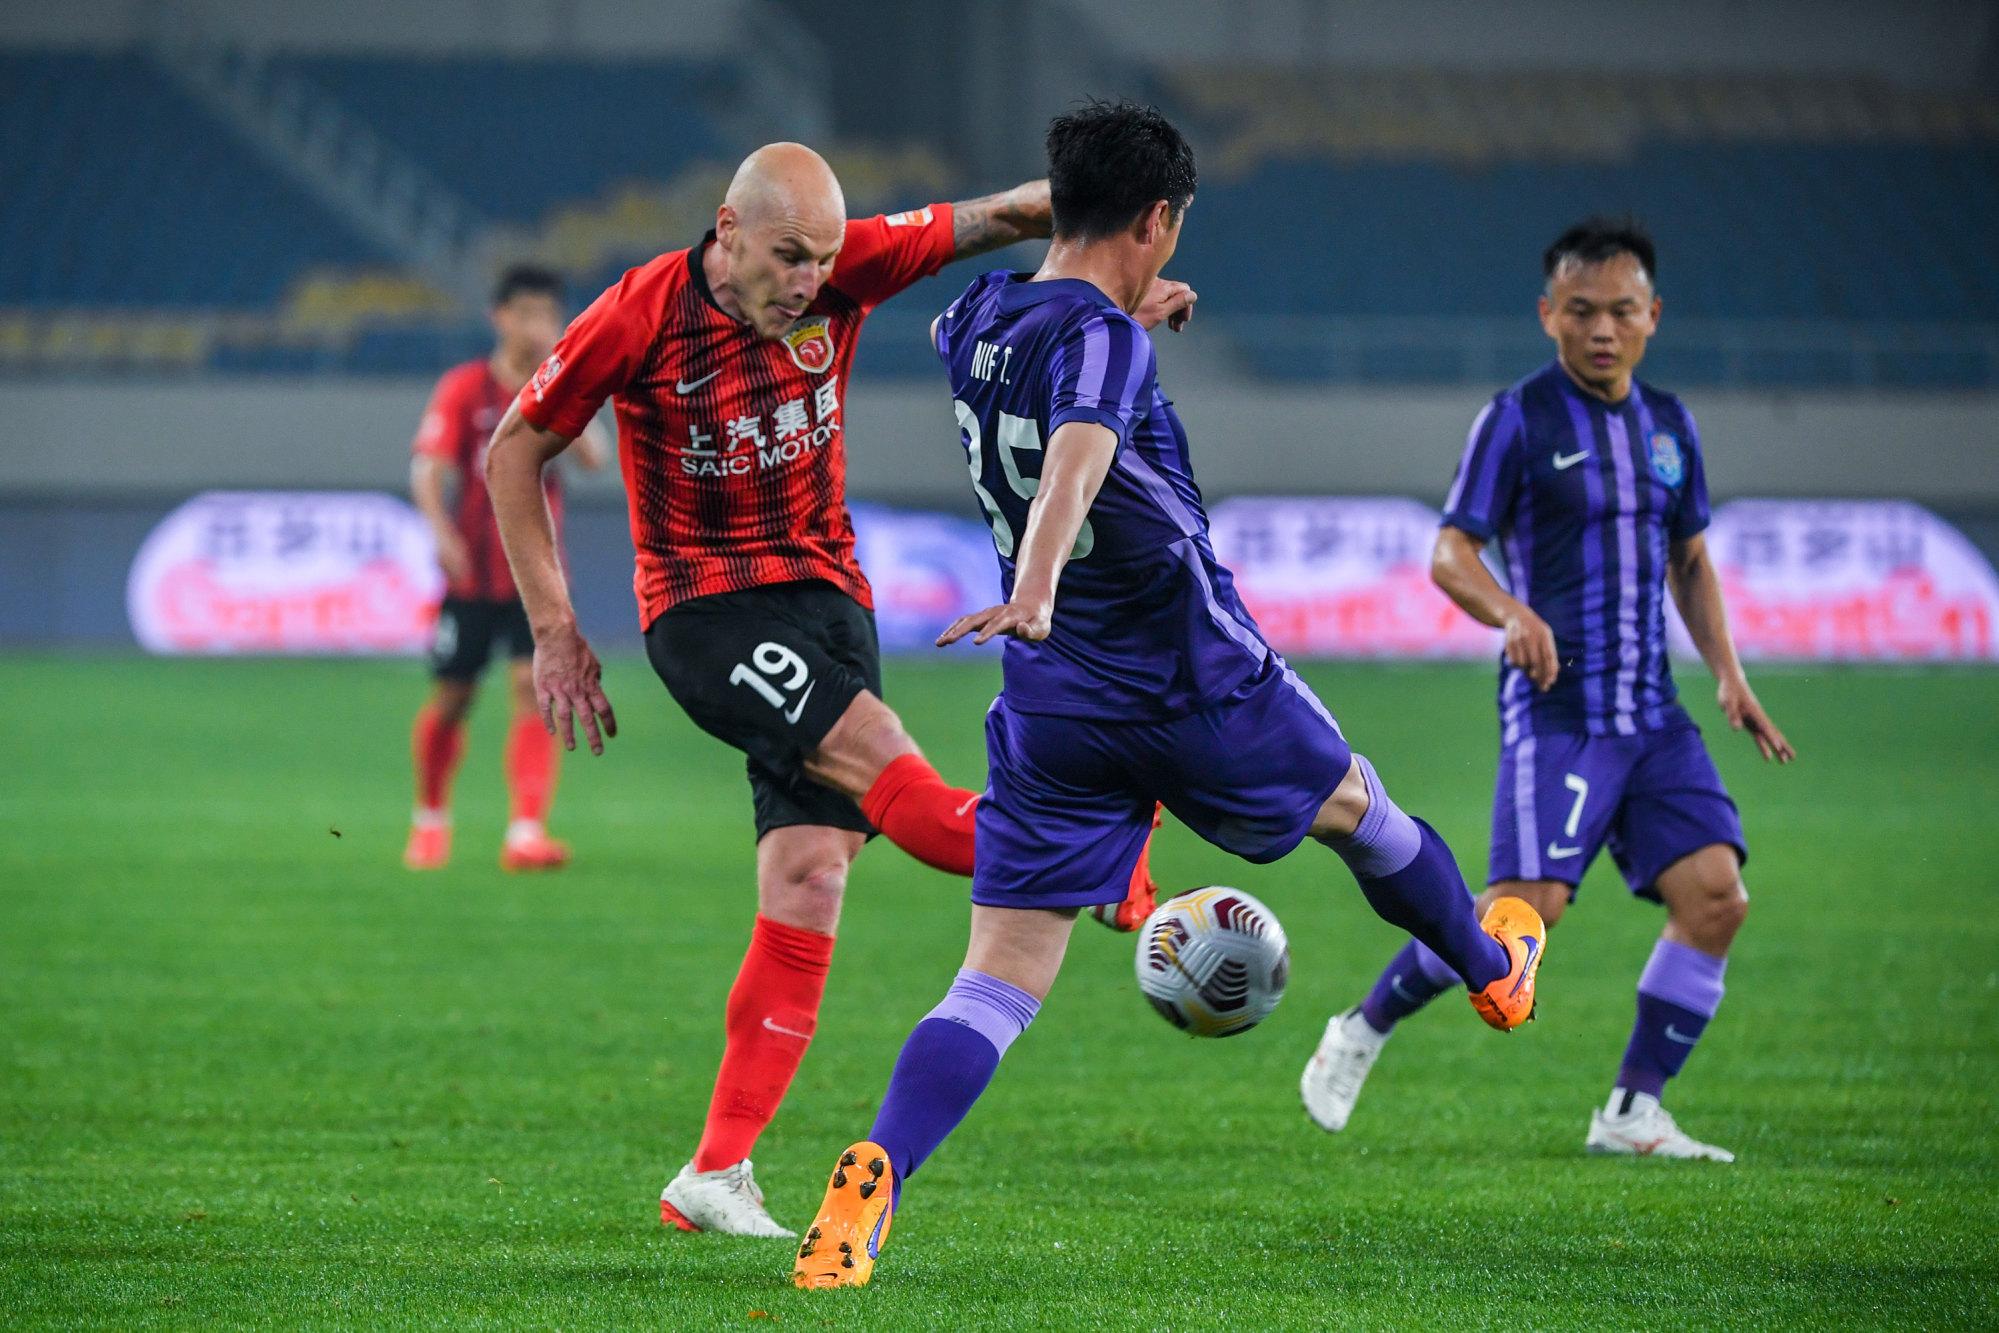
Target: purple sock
x=1678 y=992
x=946 y=1064
x=1412 y=881
x=1415 y=977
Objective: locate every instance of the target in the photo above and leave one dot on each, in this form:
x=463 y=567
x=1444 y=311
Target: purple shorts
x=1651 y=798
x=1068 y=802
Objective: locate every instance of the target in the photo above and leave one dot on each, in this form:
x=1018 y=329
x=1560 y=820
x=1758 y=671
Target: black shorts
x=770 y=670
x=467 y=628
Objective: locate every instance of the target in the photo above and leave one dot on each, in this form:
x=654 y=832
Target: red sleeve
x=441 y=433
x=883 y=255
x=600 y=351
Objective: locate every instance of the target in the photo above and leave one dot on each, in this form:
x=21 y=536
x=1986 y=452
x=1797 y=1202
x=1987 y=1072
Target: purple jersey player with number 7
x=1593 y=483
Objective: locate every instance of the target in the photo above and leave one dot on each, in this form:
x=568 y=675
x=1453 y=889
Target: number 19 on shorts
x=778 y=672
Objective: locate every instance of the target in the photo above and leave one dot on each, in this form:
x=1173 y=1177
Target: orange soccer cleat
x=1509 y=1001
x=528 y=849
x=429 y=847
x=840 y=1246
x=1142 y=895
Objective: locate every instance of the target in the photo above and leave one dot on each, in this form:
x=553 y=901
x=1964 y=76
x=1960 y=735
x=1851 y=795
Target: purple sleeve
x=1691 y=517
x=1102 y=373
x=1488 y=478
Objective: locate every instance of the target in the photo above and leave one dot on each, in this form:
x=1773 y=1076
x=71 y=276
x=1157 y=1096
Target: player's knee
x=1340 y=816
x=452 y=700
x=1549 y=897
x=1716 y=908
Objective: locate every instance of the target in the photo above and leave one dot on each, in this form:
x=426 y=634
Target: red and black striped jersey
x=466 y=405
x=732 y=446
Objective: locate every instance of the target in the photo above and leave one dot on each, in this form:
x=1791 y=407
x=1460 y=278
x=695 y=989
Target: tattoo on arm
x=1019 y=214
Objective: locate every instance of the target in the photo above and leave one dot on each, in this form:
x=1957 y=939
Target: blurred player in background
x=1593 y=483
x=729 y=363
x=482 y=610
x=1142 y=679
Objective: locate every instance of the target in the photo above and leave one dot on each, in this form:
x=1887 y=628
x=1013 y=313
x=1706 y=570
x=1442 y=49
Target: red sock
x=436 y=745
x=532 y=763
x=919 y=813
x=773 y=1010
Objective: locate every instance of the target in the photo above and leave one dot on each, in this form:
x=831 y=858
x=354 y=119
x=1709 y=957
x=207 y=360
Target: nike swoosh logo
x=792 y=716
x=967 y=806
x=1562 y=853
x=1563 y=462
x=1395 y=984
x=1672 y=1034
x=802 y=1036
x=1533 y=947
x=689 y=386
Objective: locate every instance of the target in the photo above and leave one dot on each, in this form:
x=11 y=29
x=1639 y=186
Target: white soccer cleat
x=727 y=1201
x=1646 y=1130
x=1333 y=1077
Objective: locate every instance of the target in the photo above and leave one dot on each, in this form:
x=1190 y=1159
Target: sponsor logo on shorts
x=1663 y=452
x=1562 y=853
x=810 y=339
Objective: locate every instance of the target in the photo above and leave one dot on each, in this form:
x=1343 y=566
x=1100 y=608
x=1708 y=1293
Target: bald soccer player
x=728 y=362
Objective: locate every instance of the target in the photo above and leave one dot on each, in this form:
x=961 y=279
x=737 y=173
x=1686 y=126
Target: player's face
x=778 y=263
x=1600 y=316
x=528 y=325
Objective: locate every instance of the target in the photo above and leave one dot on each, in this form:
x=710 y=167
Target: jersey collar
x=1019 y=293
x=697 y=273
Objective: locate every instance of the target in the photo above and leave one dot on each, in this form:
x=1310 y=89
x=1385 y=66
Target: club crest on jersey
x=810 y=339
x=1667 y=464
x=545 y=376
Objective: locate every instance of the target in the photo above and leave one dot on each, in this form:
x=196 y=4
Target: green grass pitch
x=254 y=1074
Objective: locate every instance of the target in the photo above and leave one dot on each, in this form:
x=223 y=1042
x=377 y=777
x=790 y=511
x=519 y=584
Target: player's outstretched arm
x=996 y=220
x=1696 y=586
x=1079 y=457
x=567 y=677
x=1456 y=568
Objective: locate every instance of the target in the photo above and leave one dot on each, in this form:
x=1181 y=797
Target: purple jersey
x=1147 y=625
x=1586 y=497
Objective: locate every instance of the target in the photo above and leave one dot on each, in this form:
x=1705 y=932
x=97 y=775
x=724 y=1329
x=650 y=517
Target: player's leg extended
x=869 y=756
x=1412 y=881
x=772 y=1013
x=944 y=1066
x=1353 y=1040
x=532 y=763
x=437 y=743
x=1678 y=993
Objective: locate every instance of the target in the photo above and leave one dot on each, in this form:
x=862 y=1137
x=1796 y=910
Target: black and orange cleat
x=840 y=1246
x=1142 y=895
x=1509 y=1001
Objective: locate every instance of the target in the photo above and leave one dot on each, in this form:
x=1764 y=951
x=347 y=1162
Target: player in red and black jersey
x=728 y=363
x=481 y=607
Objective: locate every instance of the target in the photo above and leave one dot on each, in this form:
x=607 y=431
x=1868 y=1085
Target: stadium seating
x=1371 y=226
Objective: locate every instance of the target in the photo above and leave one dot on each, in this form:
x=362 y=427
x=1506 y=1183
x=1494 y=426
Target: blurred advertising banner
x=286 y=572
x=1865 y=580
x=927 y=570
x=1344 y=578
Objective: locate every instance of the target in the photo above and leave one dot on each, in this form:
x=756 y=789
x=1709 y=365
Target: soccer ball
x=1213 y=961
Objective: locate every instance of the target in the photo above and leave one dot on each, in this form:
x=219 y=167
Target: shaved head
x=778 y=235
x=786 y=180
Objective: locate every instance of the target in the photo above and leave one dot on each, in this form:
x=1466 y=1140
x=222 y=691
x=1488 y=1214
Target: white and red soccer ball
x=1213 y=961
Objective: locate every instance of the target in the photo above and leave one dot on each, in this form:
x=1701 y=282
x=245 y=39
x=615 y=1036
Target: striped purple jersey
x=1586 y=497
x=1147 y=624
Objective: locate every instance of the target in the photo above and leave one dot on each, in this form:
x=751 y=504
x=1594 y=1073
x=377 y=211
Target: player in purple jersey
x=1132 y=672
x=1594 y=485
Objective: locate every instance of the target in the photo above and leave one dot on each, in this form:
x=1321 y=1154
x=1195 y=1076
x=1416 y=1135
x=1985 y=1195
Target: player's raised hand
x=1530 y=645
x=568 y=686
x=1745 y=713
x=1021 y=622
x=1169 y=302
